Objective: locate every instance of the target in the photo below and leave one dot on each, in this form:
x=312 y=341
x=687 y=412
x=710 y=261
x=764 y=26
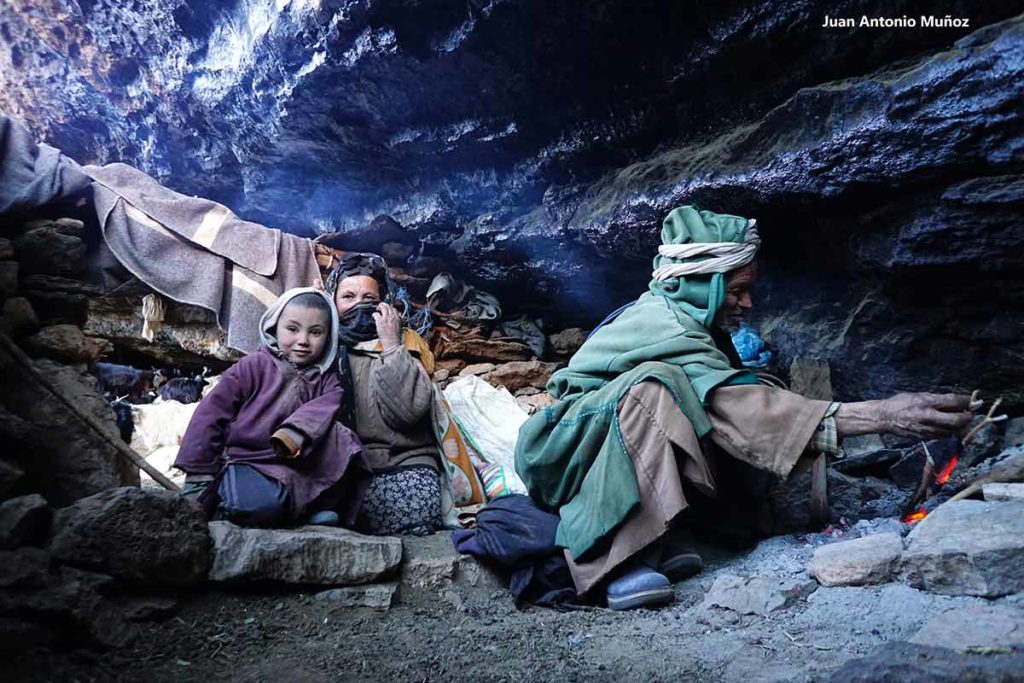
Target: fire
x=947 y=470
x=915 y=516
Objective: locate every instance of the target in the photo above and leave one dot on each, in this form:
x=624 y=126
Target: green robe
x=571 y=455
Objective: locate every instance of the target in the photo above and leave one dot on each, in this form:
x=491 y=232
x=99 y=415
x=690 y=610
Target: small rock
x=434 y=572
x=24 y=568
x=68 y=602
x=59 y=299
x=307 y=555
x=149 y=538
x=476 y=369
x=527 y=391
x=6 y=249
x=70 y=226
x=1003 y=492
x=441 y=374
x=67 y=343
x=872 y=559
x=757 y=594
x=973 y=628
x=375 y=595
x=516 y=375
x=531 y=404
x=968 y=547
x=149 y=609
x=48 y=249
x=21 y=315
x=567 y=342
x=24 y=521
x=8 y=278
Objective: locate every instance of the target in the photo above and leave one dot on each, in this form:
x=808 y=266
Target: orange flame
x=915 y=516
x=947 y=470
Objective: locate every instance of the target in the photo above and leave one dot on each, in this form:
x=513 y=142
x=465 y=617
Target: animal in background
x=129 y=384
x=184 y=389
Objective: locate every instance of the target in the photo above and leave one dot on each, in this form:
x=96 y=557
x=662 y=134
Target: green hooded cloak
x=571 y=455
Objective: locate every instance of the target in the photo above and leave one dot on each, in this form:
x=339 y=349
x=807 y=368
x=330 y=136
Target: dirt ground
x=474 y=633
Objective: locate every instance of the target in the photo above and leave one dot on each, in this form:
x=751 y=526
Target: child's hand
x=283 y=446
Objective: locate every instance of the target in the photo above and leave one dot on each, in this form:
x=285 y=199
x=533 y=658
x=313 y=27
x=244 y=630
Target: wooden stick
x=122 y=450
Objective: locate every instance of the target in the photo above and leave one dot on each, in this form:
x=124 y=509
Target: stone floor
x=755 y=615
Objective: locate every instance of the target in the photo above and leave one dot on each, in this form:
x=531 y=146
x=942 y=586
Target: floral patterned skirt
x=402 y=501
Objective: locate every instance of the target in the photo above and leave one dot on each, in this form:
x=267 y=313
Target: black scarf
x=354 y=325
x=357 y=324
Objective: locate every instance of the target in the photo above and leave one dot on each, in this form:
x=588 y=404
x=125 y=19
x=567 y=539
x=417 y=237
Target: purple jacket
x=255 y=398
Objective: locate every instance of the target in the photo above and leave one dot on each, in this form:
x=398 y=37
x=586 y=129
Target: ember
x=943 y=476
x=915 y=516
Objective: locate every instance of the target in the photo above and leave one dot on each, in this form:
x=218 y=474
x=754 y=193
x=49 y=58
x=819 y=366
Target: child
x=264 y=447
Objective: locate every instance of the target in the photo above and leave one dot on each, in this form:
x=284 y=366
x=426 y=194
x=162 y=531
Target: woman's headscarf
x=357 y=324
x=268 y=325
x=698 y=248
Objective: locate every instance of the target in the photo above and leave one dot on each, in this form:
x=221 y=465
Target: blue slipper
x=324 y=518
x=678 y=563
x=640 y=587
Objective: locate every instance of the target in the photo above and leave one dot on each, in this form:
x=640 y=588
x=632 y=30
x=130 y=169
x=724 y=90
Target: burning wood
x=934 y=478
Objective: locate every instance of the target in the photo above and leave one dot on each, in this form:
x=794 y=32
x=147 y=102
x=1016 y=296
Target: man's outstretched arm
x=918 y=415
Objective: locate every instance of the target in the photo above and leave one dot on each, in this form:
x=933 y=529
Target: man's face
x=738 y=303
x=356 y=289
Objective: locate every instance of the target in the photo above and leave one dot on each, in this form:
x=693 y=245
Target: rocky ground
x=755 y=615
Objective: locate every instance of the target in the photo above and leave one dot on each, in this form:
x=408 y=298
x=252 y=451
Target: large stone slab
x=149 y=538
x=977 y=628
x=969 y=547
x=308 y=555
x=1003 y=492
x=757 y=594
x=872 y=559
x=913 y=663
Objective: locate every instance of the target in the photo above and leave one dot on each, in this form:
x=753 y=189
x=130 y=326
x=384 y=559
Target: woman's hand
x=389 y=325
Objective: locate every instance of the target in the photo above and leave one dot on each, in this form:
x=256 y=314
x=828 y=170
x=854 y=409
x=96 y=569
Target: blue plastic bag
x=750 y=346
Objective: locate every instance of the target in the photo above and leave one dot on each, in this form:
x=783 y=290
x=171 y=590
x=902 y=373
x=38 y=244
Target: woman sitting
x=264 y=447
x=382 y=369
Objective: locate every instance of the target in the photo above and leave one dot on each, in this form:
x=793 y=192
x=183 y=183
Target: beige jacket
x=393 y=402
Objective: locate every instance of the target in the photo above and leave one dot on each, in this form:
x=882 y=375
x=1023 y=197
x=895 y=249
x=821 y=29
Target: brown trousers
x=765 y=427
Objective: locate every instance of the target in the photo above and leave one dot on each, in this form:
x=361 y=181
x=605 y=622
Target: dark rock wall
x=535 y=146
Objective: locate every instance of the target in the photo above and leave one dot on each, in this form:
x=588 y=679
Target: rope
x=723 y=256
x=421 y=320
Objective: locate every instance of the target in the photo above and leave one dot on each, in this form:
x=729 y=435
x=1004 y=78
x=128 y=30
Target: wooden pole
x=91 y=422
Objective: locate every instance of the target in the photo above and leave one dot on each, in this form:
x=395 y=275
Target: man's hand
x=925 y=416
x=389 y=325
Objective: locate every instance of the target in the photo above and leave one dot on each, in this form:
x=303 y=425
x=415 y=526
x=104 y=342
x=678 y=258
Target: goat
x=124 y=381
x=124 y=415
x=184 y=389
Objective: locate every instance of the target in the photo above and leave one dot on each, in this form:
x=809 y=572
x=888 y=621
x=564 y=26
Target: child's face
x=302 y=333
